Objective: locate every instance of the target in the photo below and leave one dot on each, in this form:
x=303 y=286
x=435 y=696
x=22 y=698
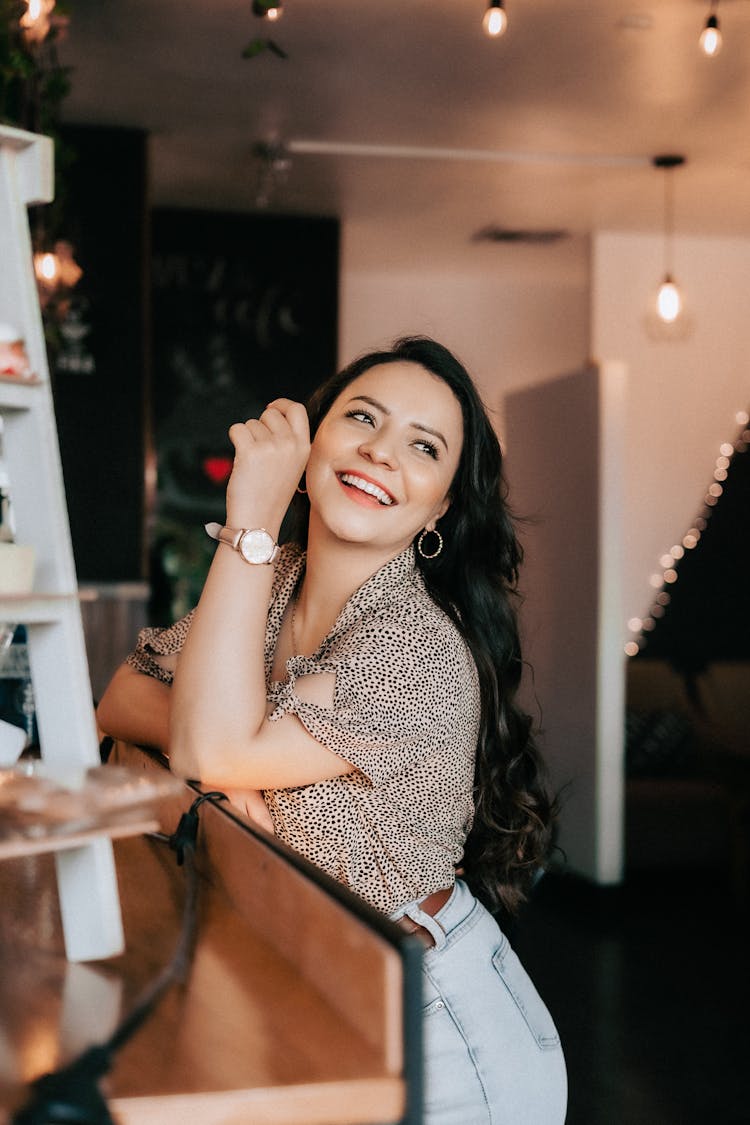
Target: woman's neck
x=334 y=570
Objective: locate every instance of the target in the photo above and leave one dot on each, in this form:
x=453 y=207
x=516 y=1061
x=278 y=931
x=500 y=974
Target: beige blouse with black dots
x=405 y=714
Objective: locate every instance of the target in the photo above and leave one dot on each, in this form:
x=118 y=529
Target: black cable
x=71 y=1095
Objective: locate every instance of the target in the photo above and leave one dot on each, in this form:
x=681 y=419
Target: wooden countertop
x=292 y=1013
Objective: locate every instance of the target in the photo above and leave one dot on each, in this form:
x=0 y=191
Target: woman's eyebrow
x=384 y=409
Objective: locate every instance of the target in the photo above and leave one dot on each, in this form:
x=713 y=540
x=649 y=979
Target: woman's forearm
x=219 y=693
x=219 y=700
x=135 y=708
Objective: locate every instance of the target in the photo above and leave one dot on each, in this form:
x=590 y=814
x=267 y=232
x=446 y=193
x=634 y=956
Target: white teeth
x=367 y=486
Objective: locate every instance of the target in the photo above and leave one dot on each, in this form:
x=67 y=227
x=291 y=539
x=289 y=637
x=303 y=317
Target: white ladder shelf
x=86 y=878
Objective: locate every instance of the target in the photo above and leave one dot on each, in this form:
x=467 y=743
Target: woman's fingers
x=281 y=418
x=270 y=455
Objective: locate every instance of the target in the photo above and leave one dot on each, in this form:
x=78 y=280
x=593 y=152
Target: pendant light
x=710 y=38
x=495 y=20
x=669 y=298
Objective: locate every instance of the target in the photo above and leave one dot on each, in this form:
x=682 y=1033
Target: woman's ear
x=443 y=508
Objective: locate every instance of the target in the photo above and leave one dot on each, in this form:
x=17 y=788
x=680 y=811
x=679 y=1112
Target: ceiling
x=563 y=113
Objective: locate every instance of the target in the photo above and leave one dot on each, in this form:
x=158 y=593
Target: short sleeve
x=159 y=642
x=403 y=692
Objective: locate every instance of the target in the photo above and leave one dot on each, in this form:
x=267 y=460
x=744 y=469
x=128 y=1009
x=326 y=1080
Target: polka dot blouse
x=405 y=714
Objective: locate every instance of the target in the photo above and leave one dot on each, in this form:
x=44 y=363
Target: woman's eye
x=427 y=447
x=361 y=416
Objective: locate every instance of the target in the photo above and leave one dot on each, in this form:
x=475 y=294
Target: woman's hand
x=270 y=457
x=251 y=803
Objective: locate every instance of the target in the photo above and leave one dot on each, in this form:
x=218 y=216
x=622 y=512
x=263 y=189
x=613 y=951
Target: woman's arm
x=219 y=732
x=135 y=708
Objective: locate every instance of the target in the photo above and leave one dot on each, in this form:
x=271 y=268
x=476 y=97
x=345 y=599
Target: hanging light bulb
x=36 y=20
x=267 y=11
x=495 y=20
x=710 y=39
x=669 y=298
x=46 y=268
x=57 y=273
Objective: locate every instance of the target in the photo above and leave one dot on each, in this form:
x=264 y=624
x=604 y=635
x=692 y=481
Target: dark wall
x=244 y=310
x=99 y=367
x=183 y=322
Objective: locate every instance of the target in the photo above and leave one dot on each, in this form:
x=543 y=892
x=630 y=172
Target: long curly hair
x=474 y=581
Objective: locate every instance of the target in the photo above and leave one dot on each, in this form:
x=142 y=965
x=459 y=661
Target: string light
x=710 y=37
x=495 y=21
x=690 y=540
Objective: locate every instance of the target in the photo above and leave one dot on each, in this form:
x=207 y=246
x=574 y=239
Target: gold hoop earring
x=436 y=552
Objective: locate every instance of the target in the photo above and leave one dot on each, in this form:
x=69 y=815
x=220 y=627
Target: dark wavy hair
x=474 y=581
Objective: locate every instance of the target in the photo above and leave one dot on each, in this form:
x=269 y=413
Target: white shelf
x=86 y=878
x=20 y=846
x=17 y=394
x=34 y=609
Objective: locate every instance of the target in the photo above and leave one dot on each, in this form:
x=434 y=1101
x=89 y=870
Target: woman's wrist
x=251 y=518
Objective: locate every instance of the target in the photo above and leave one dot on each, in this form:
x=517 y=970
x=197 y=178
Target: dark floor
x=648 y=985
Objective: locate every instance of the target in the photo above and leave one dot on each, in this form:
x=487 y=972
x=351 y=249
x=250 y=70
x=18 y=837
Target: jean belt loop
x=422 y=918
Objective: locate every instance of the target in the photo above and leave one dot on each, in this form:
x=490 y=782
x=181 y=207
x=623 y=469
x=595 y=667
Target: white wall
x=682 y=395
x=565 y=472
x=514 y=315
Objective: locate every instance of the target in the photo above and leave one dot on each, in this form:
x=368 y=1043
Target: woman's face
x=384 y=456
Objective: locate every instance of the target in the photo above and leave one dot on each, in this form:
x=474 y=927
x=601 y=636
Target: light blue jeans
x=492 y=1053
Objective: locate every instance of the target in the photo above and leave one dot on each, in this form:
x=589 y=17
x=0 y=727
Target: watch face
x=257 y=546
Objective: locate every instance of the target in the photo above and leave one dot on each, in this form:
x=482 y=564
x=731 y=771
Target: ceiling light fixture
x=669 y=298
x=710 y=39
x=495 y=20
x=267 y=10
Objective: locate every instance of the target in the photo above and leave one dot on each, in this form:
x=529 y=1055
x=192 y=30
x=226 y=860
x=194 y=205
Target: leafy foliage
x=258 y=46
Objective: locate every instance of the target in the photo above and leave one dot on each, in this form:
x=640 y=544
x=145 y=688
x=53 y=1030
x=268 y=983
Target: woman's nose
x=380 y=450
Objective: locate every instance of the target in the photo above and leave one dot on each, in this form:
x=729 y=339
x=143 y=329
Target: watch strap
x=229 y=535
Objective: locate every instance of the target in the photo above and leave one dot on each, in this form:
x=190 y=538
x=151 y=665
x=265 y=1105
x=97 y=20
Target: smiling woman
x=357 y=697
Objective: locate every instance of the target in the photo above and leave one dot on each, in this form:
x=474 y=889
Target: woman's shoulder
x=411 y=634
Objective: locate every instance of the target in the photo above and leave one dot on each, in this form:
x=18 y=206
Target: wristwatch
x=255 y=545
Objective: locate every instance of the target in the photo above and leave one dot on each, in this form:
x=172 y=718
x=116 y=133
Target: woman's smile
x=364 y=490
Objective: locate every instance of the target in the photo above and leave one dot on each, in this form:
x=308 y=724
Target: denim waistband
x=450 y=916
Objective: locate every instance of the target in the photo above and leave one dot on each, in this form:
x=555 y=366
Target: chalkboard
x=244 y=309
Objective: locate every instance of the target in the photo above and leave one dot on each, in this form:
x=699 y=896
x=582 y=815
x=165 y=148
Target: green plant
x=33 y=82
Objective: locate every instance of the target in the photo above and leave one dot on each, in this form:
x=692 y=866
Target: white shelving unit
x=86 y=876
